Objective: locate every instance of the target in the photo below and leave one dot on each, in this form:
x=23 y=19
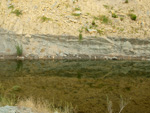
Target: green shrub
x=133 y=16
x=17 y=12
x=114 y=15
x=19 y=50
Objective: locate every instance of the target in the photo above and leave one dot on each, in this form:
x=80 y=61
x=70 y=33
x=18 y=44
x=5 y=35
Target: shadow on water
x=83 y=83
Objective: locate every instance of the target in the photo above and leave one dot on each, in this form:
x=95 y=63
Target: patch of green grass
x=104 y=19
x=19 y=50
x=132 y=16
x=17 y=12
x=45 y=19
x=114 y=15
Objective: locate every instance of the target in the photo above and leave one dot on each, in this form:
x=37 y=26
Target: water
x=85 y=84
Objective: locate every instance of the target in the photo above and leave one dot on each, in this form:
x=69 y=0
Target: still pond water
x=86 y=84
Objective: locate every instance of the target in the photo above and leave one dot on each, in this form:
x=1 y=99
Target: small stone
x=114 y=58
x=28 y=35
x=77 y=12
x=92 y=31
x=20 y=57
x=73 y=20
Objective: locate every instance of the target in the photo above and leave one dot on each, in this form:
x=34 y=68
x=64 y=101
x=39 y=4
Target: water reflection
x=89 y=85
x=86 y=69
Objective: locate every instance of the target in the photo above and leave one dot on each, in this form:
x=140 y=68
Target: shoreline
x=77 y=57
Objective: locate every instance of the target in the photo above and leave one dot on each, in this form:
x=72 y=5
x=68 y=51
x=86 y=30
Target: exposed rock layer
x=70 y=47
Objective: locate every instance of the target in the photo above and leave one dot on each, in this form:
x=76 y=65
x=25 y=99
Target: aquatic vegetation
x=19 y=50
x=16 y=88
x=123 y=103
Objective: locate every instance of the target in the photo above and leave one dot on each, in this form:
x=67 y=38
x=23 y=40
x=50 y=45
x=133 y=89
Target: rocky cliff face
x=62 y=47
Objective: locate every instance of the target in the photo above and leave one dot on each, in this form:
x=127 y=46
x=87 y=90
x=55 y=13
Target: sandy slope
x=62 y=22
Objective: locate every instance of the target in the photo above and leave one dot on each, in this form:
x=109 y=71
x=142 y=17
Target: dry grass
x=37 y=106
x=41 y=106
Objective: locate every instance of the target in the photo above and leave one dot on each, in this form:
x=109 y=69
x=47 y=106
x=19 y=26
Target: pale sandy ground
x=62 y=22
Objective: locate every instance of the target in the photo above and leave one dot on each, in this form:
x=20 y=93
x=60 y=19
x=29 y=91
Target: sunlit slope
x=71 y=17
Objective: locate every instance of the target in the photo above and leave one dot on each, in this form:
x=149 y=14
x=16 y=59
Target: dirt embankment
x=71 y=17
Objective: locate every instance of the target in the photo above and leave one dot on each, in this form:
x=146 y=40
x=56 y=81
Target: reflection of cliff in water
x=65 y=68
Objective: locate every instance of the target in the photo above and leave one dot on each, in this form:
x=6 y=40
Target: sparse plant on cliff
x=19 y=50
x=100 y=32
x=104 y=19
x=106 y=6
x=77 y=9
x=17 y=12
x=11 y=7
x=80 y=34
x=114 y=15
x=45 y=19
x=132 y=16
x=126 y=1
x=121 y=18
